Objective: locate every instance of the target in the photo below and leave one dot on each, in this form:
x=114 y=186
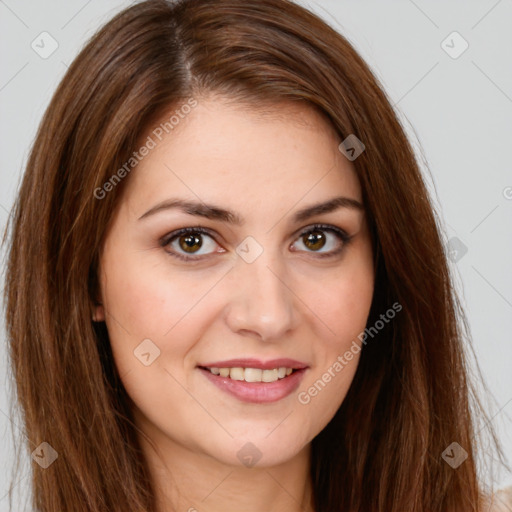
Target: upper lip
x=257 y=363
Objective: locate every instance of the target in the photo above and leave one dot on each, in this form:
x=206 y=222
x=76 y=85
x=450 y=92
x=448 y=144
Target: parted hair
x=410 y=397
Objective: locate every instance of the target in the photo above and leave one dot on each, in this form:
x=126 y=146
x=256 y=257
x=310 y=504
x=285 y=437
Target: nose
x=261 y=301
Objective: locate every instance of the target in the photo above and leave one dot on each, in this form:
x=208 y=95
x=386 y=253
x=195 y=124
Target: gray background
x=458 y=113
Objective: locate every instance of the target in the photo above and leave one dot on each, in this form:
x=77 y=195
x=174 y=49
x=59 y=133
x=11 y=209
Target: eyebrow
x=214 y=212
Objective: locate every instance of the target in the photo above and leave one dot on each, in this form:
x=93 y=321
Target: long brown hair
x=410 y=397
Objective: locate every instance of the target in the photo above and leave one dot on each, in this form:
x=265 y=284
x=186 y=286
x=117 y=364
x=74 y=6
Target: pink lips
x=257 y=392
x=256 y=363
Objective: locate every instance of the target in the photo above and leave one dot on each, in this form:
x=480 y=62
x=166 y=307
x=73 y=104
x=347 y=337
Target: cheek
x=164 y=315
x=173 y=312
x=147 y=302
x=337 y=358
x=342 y=302
x=342 y=306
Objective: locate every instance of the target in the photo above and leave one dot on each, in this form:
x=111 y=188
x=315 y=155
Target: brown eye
x=322 y=240
x=190 y=242
x=314 y=240
x=194 y=241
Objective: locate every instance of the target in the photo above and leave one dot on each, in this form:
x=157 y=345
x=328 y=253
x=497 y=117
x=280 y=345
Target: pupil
x=314 y=240
x=190 y=243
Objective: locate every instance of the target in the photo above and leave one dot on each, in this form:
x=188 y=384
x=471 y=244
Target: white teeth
x=236 y=373
x=252 y=374
x=269 y=375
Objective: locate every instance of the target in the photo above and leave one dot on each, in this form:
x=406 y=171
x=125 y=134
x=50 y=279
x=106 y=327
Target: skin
x=289 y=302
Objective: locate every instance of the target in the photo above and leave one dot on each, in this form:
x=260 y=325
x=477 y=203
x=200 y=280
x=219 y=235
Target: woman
x=242 y=297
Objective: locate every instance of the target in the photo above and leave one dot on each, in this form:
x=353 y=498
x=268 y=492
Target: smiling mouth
x=251 y=374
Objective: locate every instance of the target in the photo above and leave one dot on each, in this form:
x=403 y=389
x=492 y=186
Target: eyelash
x=345 y=239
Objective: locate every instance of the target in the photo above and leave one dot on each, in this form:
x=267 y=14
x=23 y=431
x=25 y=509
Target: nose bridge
x=261 y=301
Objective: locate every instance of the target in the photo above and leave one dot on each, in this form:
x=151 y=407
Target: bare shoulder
x=501 y=501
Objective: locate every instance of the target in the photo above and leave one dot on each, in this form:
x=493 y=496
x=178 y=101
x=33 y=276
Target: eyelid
x=183 y=231
x=340 y=233
x=322 y=227
x=166 y=240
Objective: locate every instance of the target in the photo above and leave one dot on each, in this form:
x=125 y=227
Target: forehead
x=253 y=159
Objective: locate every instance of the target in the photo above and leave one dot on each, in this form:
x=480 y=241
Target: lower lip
x=257 y=392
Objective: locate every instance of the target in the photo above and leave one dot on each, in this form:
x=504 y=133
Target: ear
x=98 y=314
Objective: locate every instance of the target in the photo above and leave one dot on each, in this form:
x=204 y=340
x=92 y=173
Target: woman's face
x=253 y=279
